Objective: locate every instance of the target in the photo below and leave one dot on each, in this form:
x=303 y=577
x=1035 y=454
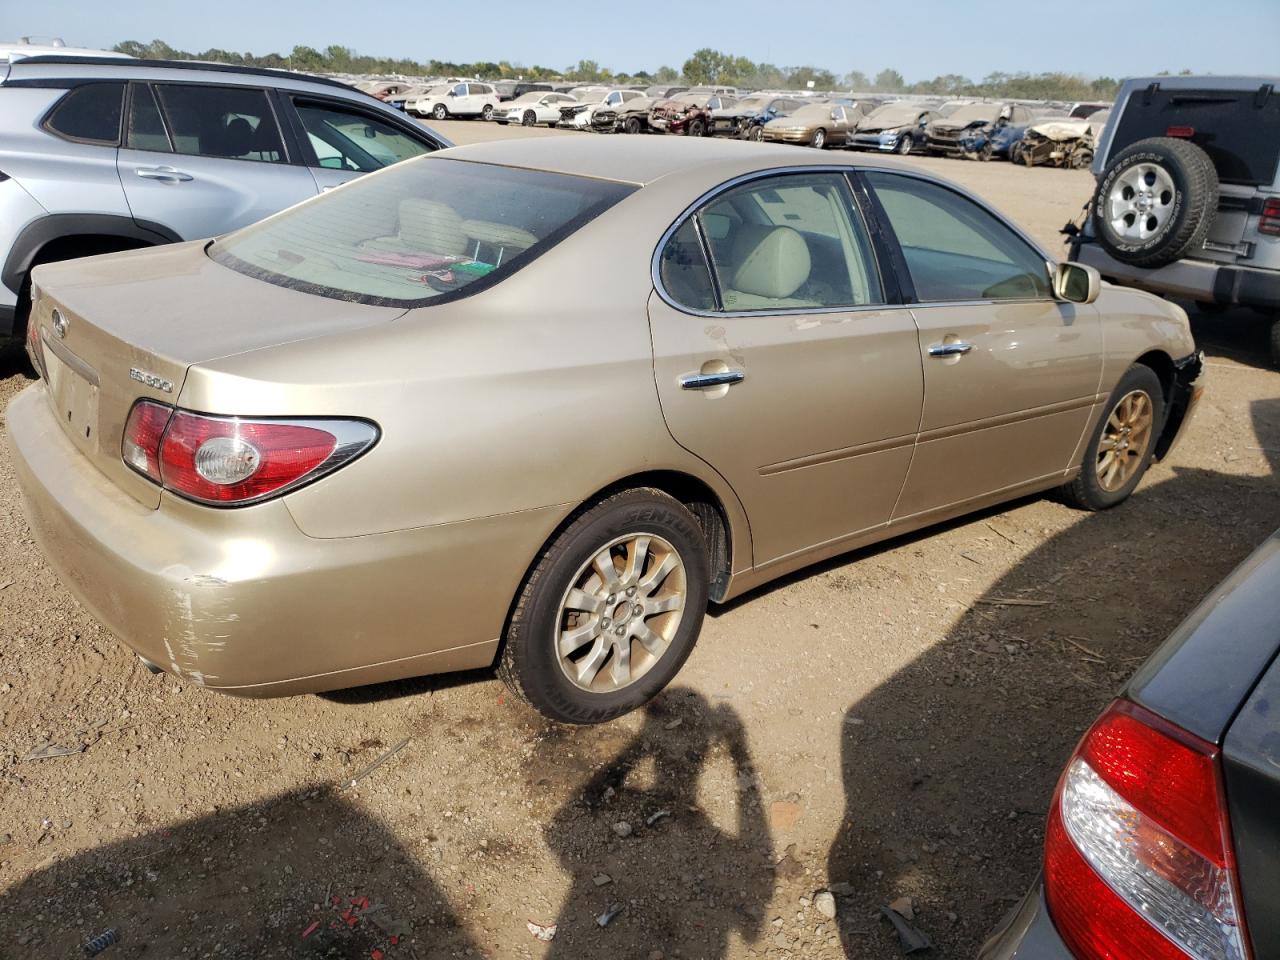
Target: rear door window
x=89 y=113
x=234 y=123
x=1239 y=129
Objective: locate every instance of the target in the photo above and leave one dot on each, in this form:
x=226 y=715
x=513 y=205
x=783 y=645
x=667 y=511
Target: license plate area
x=73 y=394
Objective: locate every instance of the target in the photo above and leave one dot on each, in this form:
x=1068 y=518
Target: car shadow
x=948 y=767
x=1237 y=333
x=304 y=874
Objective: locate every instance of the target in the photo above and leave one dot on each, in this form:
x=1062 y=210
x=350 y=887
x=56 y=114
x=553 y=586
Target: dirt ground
x=865 y=727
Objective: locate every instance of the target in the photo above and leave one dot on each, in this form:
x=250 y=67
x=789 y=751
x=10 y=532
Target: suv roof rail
x=184 y=65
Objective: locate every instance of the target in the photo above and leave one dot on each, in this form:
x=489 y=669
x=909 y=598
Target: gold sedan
x=536 y=403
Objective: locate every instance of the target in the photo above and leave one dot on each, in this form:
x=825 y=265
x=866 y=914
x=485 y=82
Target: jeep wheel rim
x=1141 y=202
x=620 y=613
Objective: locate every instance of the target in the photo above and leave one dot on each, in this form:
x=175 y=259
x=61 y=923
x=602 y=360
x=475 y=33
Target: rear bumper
x=243 y=602
x=1200 y=280
x=1026 y=933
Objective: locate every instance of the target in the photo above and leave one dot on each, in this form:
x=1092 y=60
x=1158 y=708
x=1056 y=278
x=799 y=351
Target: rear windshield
x=419 y=232
x=1239 y=129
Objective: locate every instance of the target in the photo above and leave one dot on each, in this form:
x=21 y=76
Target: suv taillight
x=1138 y=859
x=233 y=461
x=1269 y=222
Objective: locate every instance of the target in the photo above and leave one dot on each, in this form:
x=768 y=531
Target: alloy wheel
x=1141 y=201
x=620 y=613
x=1122 y=448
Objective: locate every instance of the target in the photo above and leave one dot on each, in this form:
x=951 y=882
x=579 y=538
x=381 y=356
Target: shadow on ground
x=949 y=766
x=241 y=883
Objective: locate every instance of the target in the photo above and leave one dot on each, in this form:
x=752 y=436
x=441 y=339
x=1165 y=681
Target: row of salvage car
x=1032 y=134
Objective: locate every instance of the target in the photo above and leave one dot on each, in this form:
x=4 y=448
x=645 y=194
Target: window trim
x=130 y=98
x=900 y=259
x=46 y=121
x=271 y=105
x=889 y=285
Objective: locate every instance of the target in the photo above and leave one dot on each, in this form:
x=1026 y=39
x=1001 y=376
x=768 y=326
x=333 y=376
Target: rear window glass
x=91 y=112
x=422 y=231
x=1239 y=129
x=231 y=122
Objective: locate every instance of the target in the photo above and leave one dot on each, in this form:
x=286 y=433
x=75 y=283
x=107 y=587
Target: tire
x=487 y=112
x=906 y=143
x=440 y=111
x=697 y=128
x=633 y=125
x=1015 y=153
x=529 y=119
x=531 y=664
x=819 y=139
x=755 y=132
x=1090 y=490
x=1155 y=202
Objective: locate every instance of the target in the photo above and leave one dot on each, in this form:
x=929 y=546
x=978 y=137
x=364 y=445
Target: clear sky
x=919 y=38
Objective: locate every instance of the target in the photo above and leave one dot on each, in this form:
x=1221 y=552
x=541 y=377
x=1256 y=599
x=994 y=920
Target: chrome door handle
x=957 y=349
x=696 y=381
x=168 y=174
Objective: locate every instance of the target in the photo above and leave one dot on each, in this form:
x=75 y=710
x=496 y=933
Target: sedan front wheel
x=1122 y=444
x=610 y=611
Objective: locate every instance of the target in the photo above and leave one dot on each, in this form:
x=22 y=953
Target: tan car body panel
x=503 y=412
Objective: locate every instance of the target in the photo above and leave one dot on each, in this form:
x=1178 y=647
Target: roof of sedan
x=638 y=160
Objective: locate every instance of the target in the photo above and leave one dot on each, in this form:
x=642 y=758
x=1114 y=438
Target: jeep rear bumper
x=1200 y=280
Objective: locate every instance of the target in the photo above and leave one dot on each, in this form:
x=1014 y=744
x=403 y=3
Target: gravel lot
x=865 y=726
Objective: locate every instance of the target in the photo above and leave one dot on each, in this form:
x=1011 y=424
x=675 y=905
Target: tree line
x=705 y=66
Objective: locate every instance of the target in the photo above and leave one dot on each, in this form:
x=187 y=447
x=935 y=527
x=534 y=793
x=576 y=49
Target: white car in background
x=466 y=99
x=590 y=100
x=534 y=108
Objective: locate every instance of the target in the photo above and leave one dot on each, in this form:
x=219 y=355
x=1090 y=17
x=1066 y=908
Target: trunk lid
x=133 y=325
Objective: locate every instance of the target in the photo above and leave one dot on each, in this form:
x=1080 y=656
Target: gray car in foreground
x=1163 y=839
x=101 y=154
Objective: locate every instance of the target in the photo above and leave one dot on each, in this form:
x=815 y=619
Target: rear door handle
x=696 y=381
x=957 y=349
x=167 y=174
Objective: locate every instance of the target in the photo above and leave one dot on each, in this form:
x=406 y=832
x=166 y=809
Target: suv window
x=956 y=249
x=421 y=232
x=146 y=128
x=230 y=122
x=1239 y=129
x=345 y=139
x=785 y=243
x=90 y=113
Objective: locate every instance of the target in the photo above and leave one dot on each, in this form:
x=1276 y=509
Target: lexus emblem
x=59 y=324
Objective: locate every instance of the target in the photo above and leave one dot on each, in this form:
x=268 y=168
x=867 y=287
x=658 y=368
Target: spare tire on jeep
x=1155 y=201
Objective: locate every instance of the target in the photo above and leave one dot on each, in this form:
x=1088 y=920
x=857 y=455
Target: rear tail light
x=1138 y=859
x=233 y=461
x=1269 y=223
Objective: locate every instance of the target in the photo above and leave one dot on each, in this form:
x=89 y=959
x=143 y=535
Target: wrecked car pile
x=1062 y=142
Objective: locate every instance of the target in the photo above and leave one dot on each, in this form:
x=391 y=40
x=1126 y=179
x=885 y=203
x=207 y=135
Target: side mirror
x=1076 y=283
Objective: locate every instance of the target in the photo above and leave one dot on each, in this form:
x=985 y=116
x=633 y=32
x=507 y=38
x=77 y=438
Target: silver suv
x=1188 y=196
x=105 y=154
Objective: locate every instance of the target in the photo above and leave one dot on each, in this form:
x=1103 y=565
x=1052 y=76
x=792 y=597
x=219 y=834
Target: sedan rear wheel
x=1122 y=444
x=610 y=611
